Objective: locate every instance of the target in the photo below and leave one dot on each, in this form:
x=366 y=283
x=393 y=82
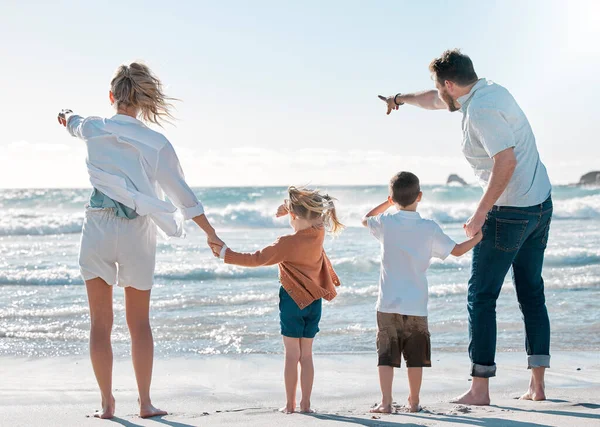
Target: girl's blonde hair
x=135 y=85
x=311 y=204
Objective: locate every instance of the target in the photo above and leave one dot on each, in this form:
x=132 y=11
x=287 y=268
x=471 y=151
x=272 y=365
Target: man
x=514 y=214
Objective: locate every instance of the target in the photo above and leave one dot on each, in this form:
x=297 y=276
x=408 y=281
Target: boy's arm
x=377 y=210
x=462 y=248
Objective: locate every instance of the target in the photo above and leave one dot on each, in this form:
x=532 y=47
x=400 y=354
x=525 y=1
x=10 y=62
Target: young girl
x=130 y=166
x=306 y=276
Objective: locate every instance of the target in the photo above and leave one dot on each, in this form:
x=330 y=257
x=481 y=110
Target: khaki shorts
x=400 y=335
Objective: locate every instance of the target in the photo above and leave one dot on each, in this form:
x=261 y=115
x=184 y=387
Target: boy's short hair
x=404 y=188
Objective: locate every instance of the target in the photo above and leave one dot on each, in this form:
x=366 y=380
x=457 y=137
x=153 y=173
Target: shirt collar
x=462 y=100
x=408 y=214
x=125 y=118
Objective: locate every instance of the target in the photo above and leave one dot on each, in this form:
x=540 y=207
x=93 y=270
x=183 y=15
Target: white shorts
x=118 y=250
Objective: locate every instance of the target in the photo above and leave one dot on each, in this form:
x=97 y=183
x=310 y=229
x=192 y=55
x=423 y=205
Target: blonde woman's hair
x=311 y=204
x=135 y=85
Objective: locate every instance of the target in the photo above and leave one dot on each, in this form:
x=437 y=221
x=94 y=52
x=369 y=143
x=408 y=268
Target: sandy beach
x=247 y=390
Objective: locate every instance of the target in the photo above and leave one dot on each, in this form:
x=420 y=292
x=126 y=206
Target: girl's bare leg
x=101 y=317
x=290 y=372
x=307 y=373
x=137 y=306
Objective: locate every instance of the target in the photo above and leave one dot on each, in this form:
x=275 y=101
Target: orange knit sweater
x=305 y=272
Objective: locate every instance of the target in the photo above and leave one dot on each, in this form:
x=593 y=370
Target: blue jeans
x=512 y=237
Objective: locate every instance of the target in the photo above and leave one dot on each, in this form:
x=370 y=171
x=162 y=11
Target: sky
x=281 y=92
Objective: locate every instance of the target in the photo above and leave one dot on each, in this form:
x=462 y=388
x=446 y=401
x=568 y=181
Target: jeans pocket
x=509 y=233
x=546 y=233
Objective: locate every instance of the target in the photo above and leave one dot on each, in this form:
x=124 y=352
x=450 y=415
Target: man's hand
x=63 y=116
x=215 y=244
x=390 y=101
x=474 y=224
x=281 y=211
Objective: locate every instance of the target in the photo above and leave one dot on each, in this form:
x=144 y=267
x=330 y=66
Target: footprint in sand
x=460 y=409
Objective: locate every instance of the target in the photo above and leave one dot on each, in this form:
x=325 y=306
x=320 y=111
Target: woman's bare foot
x=108 y=410
x=381 y=409
x=148 y=411
x=472 y=398
x=287 y=409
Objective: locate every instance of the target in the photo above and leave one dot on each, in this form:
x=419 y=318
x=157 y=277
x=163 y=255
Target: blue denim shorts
x=296 y=322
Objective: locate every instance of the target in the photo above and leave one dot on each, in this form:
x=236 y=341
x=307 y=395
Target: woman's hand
x=63 y=116
x=281 y=211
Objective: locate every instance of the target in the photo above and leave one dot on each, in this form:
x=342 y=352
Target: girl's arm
x=272 y=254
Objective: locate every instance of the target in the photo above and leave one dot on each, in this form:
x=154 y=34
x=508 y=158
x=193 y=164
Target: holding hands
x=215 y=244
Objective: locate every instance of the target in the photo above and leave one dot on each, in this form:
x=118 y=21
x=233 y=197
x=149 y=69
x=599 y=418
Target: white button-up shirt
x=493 y=122
x=136 y=166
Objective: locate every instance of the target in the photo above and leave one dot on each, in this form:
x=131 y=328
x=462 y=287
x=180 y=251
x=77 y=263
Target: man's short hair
x=404 y=188
x=453 y=66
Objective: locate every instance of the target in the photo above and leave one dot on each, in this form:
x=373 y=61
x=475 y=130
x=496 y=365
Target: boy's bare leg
x=307 y=373
x=386 y=378
x=479 y=394
x=101 y=315
x=536 y=385
x=290 y=372
x=415 y=378
x=137 y=309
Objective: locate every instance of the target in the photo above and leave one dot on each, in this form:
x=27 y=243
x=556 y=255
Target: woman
x=130 y=166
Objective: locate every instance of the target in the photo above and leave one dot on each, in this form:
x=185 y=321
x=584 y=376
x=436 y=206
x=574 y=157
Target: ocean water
x=200 y=306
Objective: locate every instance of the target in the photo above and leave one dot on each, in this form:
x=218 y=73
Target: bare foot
x=471 y=398
x=537 y=387
x=149 y=411
x=535 y=394
x=305 y=408
x=108 y=410
x=287 y=410
x=381 y=409
x=412 y=406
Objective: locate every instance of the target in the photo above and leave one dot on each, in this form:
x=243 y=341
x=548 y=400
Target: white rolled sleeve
x=75 y=125
x=171 y=179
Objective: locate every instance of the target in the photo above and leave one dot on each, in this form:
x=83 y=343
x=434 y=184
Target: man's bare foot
x=534 y=393
x=381 y=409
x=287 y=410
x=108 y=410
x=149 y=411
x=471 y=398
x=537 y=386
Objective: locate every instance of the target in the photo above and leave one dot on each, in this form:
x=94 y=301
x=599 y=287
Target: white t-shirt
x=408 y=243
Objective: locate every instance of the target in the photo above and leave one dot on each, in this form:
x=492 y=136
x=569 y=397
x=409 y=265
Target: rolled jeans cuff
x=483 y=371
x=538 y=361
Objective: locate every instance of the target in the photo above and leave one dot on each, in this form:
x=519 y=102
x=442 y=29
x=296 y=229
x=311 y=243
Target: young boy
x=408 y=243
